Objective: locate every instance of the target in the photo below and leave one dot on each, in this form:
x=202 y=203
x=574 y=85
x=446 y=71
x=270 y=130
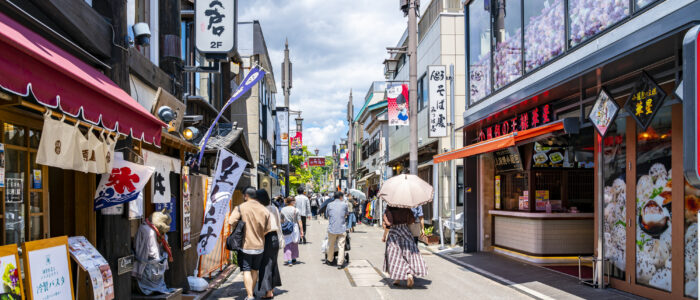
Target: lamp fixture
x=190 y=133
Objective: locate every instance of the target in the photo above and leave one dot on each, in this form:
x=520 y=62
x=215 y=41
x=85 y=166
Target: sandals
x=409 y=282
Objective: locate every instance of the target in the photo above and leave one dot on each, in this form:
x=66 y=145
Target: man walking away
x=315 y=200
x=304 y=206
x=336 y=211
x=257 y=225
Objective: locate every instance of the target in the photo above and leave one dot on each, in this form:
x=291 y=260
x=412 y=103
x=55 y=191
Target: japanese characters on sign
x=90 y=260
x=508 y=159
x=186 y=209
x=124 y=183
x=397 y=103
x=317 y=161
x=645 y=100
x=536 y=117
x=437 y=116
x=297 y=144
x=162 y=165
x=603 y=112
x=47 y=267
x=229 y=168
x=215 y=21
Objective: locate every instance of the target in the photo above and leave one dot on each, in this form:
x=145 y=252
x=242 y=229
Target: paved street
x=310 y=279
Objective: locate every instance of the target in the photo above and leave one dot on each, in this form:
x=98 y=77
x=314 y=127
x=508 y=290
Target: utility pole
x=286 y=86
x=351 y=141
x=453 y=174
x=411 y=10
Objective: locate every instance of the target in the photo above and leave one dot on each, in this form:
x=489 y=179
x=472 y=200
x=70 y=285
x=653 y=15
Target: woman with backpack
x=292 y=230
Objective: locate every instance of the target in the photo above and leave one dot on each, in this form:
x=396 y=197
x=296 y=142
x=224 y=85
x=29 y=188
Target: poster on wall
x=90 y=260
x=437 y=116
x=171 y=208
x=12 y=287
x=497 y=192
x=2 y=165
x=603 y=113
x=47 y=269
x=36 y=179
x=229 y=168
x=123 y=184
x=186 y=209
x=397 y=102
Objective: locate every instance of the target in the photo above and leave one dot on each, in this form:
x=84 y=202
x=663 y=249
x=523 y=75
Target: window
x=422 y=93
x=587 y=18
x=544 y=31
x=479 y=50
x=507 y=38
x=460 y=185
x=639 y=4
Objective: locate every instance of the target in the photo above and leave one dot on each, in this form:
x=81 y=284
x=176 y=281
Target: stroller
x=324 y=248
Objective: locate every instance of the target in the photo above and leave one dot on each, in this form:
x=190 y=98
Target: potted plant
x=428 y=237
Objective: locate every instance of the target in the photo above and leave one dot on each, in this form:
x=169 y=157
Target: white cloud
x=334 y=46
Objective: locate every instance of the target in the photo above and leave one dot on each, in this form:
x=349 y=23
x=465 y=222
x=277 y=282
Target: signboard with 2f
x=215 y=22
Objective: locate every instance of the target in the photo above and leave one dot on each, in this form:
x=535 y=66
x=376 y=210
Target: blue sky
x=335 y=46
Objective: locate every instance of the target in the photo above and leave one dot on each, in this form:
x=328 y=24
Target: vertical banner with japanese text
x=437 y=116
x=229 y=168
x=162 y=165
x=283 y=121
x=397 y=102
x=186 y=209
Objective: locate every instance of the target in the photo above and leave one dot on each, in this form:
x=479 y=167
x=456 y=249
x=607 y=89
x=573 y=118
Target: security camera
x=142 y=34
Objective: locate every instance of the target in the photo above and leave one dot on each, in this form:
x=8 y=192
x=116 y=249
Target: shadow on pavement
x=419 y=284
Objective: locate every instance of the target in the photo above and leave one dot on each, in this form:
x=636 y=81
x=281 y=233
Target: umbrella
x=406 y=191
x=357 y=194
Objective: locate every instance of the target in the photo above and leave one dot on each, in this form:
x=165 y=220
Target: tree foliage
x=307 y=176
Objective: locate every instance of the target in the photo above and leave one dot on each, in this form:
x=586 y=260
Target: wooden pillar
x=170 y=37
x=113 y=241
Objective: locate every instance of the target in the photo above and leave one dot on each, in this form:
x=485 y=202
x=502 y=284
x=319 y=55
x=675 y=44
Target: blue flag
x=253 y=77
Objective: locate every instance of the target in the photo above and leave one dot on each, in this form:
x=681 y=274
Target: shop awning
x=368 y=176
x=568 y=125
x=29 y=64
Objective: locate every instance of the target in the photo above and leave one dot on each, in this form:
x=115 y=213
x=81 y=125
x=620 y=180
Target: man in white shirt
x=303 y=204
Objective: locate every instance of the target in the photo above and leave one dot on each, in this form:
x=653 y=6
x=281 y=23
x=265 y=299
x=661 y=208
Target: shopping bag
x=57 y=144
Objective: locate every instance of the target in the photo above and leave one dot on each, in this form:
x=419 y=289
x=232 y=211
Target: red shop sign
x=537 y=116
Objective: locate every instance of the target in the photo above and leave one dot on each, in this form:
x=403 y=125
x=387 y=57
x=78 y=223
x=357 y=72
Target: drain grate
x=361 y=273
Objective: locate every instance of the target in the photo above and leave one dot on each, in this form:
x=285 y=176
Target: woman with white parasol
x=402 y=259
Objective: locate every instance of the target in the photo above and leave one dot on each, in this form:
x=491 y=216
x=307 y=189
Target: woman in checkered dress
x=402 y=259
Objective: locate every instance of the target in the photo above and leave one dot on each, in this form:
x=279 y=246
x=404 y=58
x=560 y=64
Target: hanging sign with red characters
x=317 y=161
x=124 y=183
x=536 y=117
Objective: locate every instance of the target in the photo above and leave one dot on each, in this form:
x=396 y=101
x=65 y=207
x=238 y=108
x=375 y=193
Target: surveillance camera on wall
x=142 y=34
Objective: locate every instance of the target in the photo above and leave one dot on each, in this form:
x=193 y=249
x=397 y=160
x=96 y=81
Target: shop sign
x=497 y=192
x=162 y=166
x=437 y=117
x=317 y=161
x=90 y=260
x=397 y=105
x=538 y=116
x=603 y=113
x=47 y=269
x=125 y=264
x=229 y=168
x=186 y=209
x=645 y=100
x=507 y=159
x=691 y=105
x=215 y=22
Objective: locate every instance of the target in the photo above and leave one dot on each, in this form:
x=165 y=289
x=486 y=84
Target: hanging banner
x=282 y=155
x=344 y=159
x=47 y=269
x=297 y=144
x=317 y=161
x=163 y=165
x=186 y=209
x=123 y=184
x=397 y=102
x=229 y=168
x=437 y=116
x=283 y=122
x=254 y=75
x=90 y=260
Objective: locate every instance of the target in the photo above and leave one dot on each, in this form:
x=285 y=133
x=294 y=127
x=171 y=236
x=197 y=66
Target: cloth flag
x=229 y=168
x=162 y=165
x=124 y=183
x=397 y=102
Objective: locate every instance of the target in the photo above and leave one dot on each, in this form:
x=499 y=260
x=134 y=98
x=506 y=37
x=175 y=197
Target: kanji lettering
x=441 y=90
x=158 y=183
x=215 y=17
x=122 y=179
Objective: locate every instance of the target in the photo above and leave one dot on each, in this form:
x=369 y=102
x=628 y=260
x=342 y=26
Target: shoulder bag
x=235 y=240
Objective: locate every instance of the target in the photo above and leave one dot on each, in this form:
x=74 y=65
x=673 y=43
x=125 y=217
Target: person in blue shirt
x=337 y=212
x=418 y=215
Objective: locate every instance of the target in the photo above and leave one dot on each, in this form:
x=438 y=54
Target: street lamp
x=316 y=151
x=299 y=120
x=390 y=66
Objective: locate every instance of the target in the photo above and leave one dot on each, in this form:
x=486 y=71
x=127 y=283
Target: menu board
x=508 y=159
x=95 y=265
x=549 y=157
x=47 y=269
x=11 y=287
x=541 y=199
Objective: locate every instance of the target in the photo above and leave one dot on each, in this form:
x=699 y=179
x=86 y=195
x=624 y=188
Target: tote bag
x=57 y=144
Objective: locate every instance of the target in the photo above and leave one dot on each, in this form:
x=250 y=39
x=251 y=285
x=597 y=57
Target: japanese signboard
x=12 y=287
x=162 y=166
x=229 y=168
x=186 y=209
x=90 y=260
x=297 y=144
x=537 y=116
x=508 y=159
x=215 y=23
x=437 y=116
x=317 y=161
x=691 y=106
x=124 y=183
x=397 y=102
x=645 y=100
x=47 y=269
x=603 y=113
x=283 y=121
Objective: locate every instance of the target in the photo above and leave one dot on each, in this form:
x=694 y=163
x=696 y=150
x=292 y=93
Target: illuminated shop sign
x=536 y=117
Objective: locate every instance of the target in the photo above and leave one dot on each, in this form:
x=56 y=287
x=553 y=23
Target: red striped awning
x=29 y=64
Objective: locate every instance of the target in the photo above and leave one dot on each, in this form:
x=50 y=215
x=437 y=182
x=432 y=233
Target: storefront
x=545 y=194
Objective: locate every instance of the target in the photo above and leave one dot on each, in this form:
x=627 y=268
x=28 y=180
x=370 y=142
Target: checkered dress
x=402 y=256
